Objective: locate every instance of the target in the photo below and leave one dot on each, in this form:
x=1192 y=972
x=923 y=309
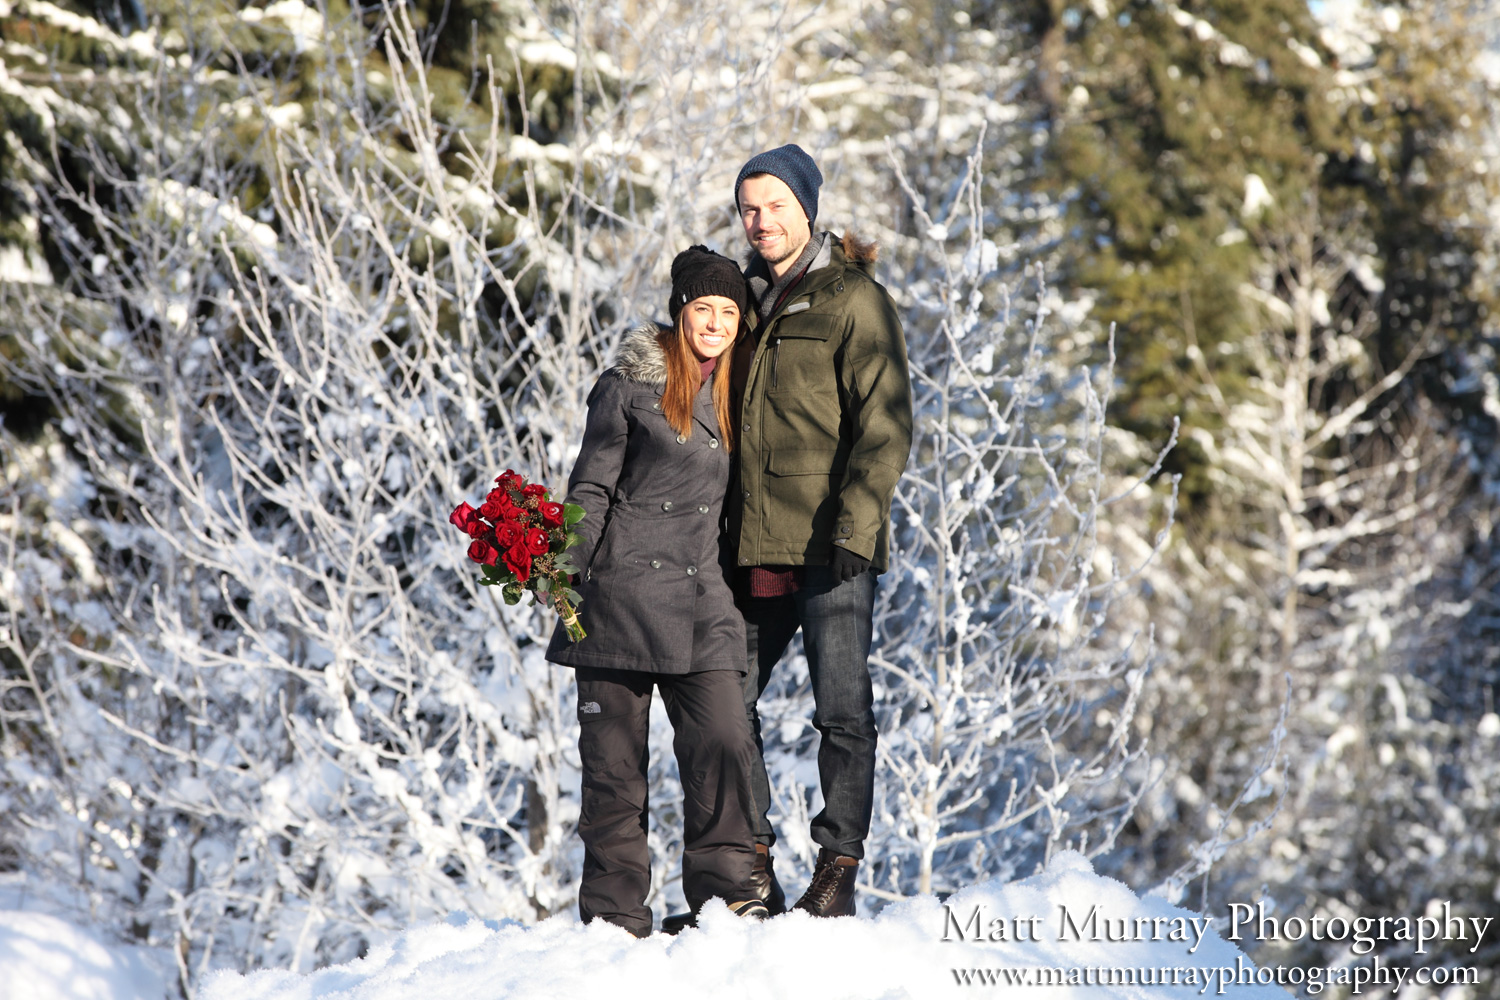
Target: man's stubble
x=790 y=253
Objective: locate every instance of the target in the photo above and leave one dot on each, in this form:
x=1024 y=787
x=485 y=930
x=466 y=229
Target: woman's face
x=710 y=322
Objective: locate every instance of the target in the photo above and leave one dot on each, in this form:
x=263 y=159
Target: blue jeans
x=836 y=631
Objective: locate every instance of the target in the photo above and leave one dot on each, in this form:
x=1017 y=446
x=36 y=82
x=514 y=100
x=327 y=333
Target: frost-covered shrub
x=256 y=708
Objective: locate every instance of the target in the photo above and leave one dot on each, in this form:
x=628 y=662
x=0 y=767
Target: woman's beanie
x=794 y=167
x=698 y=271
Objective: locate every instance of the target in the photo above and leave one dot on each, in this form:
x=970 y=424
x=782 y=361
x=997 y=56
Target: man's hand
x=845 y=565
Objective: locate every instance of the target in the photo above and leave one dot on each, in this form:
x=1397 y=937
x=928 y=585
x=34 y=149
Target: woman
x=656 y=604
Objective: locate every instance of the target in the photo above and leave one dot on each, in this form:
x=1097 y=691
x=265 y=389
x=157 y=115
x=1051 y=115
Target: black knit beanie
x=698 y=271
x=794 y=167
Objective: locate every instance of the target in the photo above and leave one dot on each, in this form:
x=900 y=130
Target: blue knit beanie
x=794 y=167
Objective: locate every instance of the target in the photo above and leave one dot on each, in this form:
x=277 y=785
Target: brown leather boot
x=831 y=893
x=763 y=881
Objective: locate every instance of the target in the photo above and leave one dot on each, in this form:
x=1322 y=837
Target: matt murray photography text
x=1363 y=933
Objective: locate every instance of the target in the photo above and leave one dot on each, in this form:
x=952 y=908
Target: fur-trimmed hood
x=860 y=252
x=854 y=252
x=857 y=250
x=641 y=358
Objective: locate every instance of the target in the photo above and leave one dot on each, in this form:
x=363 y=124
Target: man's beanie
x=795 y=168
x=698 y=271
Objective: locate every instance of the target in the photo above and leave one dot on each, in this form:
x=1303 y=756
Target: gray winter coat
x=655 y=595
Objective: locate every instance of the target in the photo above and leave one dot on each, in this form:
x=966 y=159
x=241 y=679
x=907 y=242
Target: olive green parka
x=824 y=417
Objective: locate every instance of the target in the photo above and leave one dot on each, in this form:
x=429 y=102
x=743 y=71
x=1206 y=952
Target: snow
x=139 y=43
x=1257 y=196
x=177 y=199
x=45 y=958
x=304 y=23
x=1306 y=53
x=1066 y=918
x=900 y=952
x=23 y=266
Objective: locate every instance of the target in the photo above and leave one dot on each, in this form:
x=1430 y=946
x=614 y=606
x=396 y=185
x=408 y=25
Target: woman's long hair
x=684 y=381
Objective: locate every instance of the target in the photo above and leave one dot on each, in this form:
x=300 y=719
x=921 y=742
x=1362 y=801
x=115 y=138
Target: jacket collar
x=766 y=287
x=642 y=360
x=759 y=274
x=830 y=264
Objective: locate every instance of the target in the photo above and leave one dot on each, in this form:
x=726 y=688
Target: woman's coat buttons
x=666 y=505
x=681 y=439
x=656 y=564
x=703 y=508
x=713 y=442
x=656 y=405
x=691 y=570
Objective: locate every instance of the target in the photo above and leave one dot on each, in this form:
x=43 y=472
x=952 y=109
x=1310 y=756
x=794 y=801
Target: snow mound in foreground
x=899 y=953
x=44 y=958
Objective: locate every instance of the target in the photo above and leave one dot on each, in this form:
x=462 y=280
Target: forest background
x=1195 y=565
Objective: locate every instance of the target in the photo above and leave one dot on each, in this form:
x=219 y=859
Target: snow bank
x=44 y=958
x=1067 y=919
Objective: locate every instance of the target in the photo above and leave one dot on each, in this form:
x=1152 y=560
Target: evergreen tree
x=1284 y=217
x=1173 y=131
x=1183 y=134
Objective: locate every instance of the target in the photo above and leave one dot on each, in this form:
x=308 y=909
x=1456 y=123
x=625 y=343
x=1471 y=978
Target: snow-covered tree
x=1008 y=695
x=303 y=300
x=257 y=706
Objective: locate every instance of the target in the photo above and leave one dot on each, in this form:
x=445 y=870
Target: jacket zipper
x=775 y=358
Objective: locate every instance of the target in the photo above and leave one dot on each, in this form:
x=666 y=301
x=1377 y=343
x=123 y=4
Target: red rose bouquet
x=520 y=538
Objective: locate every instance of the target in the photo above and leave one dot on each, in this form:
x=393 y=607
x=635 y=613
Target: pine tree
x=1309 y=335
x=1182 y=134
x=1174 y=129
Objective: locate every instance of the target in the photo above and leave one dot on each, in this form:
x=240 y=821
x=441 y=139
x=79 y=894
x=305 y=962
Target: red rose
x=518 y=561
x=461 y=516
x=534 y=490
x=552 y=513
x=507 y=534
x=477 y=528
x=537 y=542
x=510 y=479
x=491 y=510
x=483 y=553
x=499 y=501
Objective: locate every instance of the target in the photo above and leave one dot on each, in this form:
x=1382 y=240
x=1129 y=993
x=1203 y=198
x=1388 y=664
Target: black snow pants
x=715 y=753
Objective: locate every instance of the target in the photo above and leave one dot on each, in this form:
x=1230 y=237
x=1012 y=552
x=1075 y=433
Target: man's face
x=775 y=224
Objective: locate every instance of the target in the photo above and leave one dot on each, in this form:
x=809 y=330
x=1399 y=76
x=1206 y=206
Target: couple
x=785 y=391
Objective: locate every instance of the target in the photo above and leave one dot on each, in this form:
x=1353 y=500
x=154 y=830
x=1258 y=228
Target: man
x=824 y=413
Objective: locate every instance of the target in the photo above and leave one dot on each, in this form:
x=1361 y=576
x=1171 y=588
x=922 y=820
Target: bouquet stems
x=569 y=617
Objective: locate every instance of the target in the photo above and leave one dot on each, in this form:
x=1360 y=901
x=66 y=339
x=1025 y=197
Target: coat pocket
x=647 y=404
x=811 y=326
x=803 y=488
x=800 y=354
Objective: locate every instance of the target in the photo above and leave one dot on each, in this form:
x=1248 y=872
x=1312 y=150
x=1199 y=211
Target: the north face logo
x=589 y=708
